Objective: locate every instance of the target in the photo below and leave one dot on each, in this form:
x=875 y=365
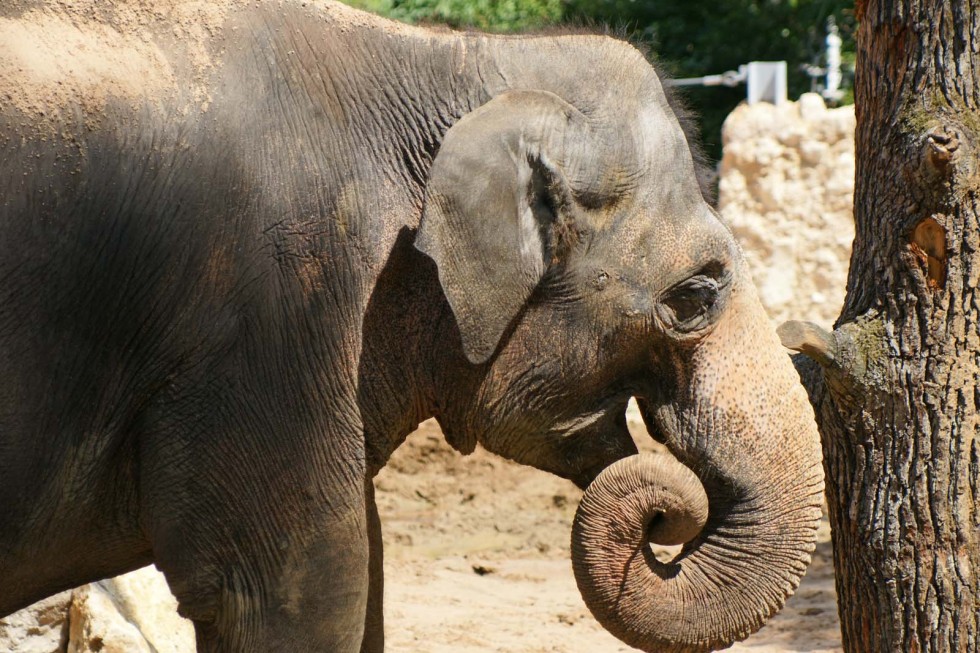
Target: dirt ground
x=477 y=560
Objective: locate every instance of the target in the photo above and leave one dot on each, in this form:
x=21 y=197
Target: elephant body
x=246 y=248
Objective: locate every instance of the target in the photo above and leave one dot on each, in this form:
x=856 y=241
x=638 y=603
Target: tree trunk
x=897 y=388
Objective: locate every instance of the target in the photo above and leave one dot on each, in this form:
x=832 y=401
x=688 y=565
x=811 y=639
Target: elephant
x=246 y=247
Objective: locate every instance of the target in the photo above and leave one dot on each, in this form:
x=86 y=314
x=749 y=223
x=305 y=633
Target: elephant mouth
x=593 y=441
x=610 y=406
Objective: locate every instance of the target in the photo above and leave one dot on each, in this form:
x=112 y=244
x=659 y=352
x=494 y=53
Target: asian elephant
x=246 y=247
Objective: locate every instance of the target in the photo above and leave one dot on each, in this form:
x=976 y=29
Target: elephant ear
x=494 y=202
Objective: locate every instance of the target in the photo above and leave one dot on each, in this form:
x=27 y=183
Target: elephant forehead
x=649 y=240
x=663 y=148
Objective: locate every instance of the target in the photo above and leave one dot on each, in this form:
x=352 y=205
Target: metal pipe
x=730 y=78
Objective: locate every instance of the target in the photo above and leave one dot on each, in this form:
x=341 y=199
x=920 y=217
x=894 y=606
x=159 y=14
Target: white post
x=834 y=77
x=766 y=82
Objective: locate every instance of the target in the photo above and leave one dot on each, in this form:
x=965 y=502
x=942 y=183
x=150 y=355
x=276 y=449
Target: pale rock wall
x=41 y=628
x=786 y=187
x=133 y=613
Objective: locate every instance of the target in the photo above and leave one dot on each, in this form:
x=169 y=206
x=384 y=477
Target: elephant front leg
x=310 y=596
x=264 y=552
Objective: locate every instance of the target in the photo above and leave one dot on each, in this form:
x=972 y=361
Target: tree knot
x=941 y=146
x=928 y=246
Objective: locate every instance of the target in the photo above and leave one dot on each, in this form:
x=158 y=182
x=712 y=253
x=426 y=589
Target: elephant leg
x=263 y=539
x=289 y=590
x=374 y=634
x=314 y=599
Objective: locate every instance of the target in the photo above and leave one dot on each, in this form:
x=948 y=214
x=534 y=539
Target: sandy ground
x=477 y=560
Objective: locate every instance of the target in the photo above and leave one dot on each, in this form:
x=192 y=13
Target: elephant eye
x=689 y=305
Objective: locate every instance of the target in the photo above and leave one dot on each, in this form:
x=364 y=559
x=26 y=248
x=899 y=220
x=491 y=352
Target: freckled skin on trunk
x=756 y=451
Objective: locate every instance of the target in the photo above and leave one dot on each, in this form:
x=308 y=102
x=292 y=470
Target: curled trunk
x=722 y=587
x=744 y=427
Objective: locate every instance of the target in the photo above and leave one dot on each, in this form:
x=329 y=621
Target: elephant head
x=582 y=266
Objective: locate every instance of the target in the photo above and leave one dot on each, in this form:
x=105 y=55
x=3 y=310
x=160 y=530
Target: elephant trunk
x=744 y=426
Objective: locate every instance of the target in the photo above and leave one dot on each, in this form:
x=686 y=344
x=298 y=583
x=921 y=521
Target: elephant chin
x=733 y=574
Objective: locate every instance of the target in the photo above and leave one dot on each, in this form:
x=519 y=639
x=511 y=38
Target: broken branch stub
x=809 y=339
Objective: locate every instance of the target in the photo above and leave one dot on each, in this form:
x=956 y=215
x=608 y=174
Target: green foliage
x=486 y=15
x=692 y=39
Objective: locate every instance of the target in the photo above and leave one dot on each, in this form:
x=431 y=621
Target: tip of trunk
x=737 y=568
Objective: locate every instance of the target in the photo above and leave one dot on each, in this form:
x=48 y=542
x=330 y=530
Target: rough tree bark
x=896 y=386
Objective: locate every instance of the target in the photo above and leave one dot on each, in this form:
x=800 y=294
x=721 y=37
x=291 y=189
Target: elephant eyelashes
x=690 y=305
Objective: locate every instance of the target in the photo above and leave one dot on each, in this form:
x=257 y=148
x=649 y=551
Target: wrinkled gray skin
x=226 y=298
